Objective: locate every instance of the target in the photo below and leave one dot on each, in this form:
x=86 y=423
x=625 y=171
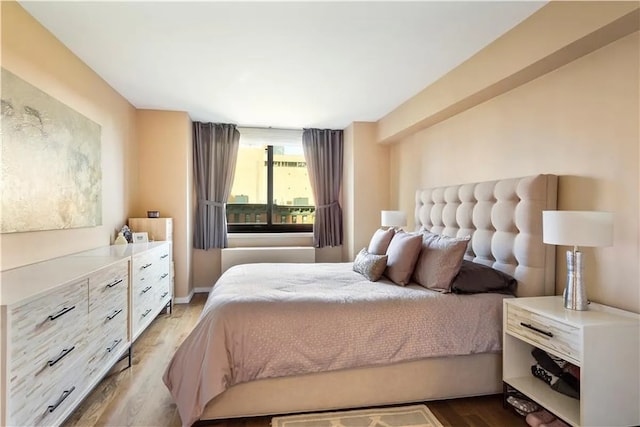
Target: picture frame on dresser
x=140 y=237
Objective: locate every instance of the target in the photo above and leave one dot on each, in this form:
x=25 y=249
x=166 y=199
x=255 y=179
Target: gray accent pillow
x=403 y=252
x=439 y=261
x=369 y=265
x=476 y=278
x=380 y=241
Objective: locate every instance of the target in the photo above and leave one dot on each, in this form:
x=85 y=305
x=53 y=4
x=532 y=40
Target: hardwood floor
x=138 y=397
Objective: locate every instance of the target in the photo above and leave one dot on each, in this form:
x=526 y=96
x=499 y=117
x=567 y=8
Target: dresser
x=59 y=328
x=603 y=341
x=66 y=322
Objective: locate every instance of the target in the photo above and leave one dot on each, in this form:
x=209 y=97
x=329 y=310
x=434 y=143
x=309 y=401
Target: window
x=271 y=184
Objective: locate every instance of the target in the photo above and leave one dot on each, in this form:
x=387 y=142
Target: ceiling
x=280 y=64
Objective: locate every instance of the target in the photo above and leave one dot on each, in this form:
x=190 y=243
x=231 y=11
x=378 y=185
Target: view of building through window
x=293 y=201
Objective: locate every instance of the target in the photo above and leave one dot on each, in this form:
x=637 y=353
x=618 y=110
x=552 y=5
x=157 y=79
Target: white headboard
x=504 y=218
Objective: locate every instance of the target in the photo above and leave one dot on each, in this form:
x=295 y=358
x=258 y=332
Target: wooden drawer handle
x=114 y=283
x=145 y=290
x=164 y=275
x=114 y=314
x=145 y=266
x=59 y=358
x=146 y=312
x=533 y=328
x=65 y=394
x=115 y=344
x=61 y=312
x=164 y=256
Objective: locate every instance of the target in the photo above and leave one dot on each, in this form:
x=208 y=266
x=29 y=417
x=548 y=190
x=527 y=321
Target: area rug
x=400 y=416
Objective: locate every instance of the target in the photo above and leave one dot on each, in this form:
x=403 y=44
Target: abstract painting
x=51 y=170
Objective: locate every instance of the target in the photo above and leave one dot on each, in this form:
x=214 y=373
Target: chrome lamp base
x=575 y=293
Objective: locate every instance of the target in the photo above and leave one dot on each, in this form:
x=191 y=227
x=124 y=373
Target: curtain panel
x=323 y=151
x=215 y=151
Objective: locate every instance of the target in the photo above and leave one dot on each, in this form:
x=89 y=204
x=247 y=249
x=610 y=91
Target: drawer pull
x=114 y=283
x=62 y=354
x=61 y=312
x=65 y=394
x=114 y=314
x=115 y=344
x=164 y=275
x=164 y=256
x=527 y=325
x=164 y=295
x=145 y=266
x=146 y=312
x=145 y=290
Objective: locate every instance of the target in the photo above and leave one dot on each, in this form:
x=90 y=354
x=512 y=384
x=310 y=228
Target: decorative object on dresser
x=140 y=237
x=577 y=228
x=604 y=342
x=393 y=219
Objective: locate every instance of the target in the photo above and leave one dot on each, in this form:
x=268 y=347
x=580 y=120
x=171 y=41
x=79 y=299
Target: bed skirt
x=416 y=381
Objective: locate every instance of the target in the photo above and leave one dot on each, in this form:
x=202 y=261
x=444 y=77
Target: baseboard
x=187 y=299
x=183 y=300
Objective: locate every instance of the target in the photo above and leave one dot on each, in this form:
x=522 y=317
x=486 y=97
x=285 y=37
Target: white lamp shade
x=393 y=219
x=577 y=228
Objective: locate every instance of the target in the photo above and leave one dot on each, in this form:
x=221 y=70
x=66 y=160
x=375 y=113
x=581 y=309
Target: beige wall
x=164 y=172
x=365 y=189
x=33 y=54
x=580 y=122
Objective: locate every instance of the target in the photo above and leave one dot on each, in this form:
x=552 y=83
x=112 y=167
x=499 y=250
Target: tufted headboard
x=504 y=218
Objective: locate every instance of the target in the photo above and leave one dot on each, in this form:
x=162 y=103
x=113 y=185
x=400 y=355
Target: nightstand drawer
x=545 y=333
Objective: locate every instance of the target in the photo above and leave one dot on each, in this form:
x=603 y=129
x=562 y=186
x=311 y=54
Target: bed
x=379 y=366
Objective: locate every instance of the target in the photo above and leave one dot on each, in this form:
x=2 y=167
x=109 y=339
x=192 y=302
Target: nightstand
x=603 y=341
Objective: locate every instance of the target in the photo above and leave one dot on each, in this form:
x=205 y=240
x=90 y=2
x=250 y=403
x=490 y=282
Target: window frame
x=269 y=227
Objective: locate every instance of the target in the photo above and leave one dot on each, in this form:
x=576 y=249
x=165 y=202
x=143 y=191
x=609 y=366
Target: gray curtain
x=215 y=150
x=323 y=153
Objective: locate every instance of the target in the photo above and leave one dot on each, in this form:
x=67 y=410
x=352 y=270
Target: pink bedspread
x=274 y=320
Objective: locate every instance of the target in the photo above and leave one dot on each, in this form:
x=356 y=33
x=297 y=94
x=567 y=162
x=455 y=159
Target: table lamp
x=577 y=228
x=393 y=218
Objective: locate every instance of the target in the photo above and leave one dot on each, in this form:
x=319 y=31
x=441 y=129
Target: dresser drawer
x=113 y=311
x=545 y=333
x=107 y=284
x=56 y=400
x=106 y=345
x=32 y=401
x=44 y=318
x=144 y=313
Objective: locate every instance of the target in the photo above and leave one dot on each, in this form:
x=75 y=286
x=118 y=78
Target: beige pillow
x=369 y=265
x=439 y=261
x=403 y=252
x=380 y=241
